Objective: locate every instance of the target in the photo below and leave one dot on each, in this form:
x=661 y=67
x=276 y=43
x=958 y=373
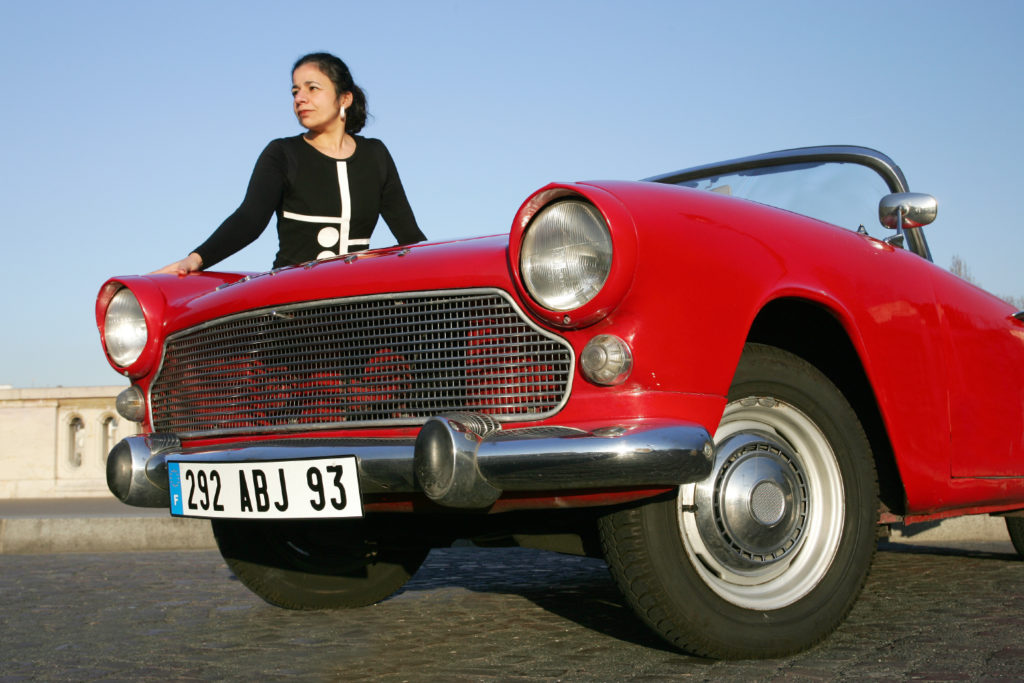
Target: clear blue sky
x=130 y=128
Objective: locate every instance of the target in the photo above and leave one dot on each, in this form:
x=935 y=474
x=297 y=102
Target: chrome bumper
x=460 y=460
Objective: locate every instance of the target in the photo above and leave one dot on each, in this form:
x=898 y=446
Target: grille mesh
x=395 y=359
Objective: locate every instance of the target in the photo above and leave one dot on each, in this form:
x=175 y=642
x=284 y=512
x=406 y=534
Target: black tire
x=316 y=565
x=1015 y=526
x=767 y=556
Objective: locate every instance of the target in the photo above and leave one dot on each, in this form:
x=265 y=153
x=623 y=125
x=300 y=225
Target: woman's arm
x=394 y=205
x=249 y=220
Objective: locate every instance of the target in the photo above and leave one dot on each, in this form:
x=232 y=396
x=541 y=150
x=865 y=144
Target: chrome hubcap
x=754 y=512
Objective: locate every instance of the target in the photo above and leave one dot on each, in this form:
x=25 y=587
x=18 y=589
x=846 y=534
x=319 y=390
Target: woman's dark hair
x=341 y=77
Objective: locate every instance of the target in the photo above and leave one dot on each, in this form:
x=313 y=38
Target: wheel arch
x=785 y=324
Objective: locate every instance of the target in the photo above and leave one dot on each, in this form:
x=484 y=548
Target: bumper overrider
x=460 y=460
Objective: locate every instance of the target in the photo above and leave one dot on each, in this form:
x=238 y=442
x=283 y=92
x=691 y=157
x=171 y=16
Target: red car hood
x=478 y=262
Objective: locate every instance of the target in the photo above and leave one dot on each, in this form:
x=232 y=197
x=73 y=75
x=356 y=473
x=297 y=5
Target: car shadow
x=598 y=606
x=582 y=591
x=996 y=551
x=578 y=589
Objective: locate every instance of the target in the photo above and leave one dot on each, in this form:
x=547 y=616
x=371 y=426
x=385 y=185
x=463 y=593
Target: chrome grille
x=379 y=360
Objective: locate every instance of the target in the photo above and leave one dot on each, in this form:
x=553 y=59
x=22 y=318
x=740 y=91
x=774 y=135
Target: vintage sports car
x=717 y=379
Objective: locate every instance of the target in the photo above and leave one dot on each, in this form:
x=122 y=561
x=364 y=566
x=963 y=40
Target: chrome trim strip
x=865 y=156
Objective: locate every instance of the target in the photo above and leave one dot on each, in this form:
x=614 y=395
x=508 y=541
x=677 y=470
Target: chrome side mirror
x=907 y=210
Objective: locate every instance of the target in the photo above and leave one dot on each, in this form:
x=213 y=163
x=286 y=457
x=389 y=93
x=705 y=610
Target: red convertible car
x=725 y=381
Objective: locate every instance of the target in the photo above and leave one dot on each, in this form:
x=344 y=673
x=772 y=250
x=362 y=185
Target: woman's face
x=314 y=99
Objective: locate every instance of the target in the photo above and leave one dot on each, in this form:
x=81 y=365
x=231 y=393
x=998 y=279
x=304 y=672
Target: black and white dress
x=324 y=206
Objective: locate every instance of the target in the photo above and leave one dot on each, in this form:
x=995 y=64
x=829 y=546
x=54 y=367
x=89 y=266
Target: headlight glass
x=566 y=255
x=124 y=328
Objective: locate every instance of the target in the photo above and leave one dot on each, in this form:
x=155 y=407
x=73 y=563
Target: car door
x=985 y=377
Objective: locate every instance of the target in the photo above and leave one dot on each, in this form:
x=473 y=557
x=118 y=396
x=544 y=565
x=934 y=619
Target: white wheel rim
x=797 y=565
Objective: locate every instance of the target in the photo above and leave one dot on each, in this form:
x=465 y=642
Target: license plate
x=276 y=489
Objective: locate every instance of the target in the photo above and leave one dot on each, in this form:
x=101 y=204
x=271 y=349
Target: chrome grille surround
x=379 y=360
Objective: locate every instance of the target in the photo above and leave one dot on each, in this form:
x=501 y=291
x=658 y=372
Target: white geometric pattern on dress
x=329 y=236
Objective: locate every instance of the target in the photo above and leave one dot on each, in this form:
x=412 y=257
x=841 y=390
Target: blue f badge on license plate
x=280 y=489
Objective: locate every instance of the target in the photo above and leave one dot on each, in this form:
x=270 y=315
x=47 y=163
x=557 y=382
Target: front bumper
x=459 y=461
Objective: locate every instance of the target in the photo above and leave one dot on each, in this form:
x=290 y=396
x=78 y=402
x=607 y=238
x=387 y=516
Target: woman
x=327 y=186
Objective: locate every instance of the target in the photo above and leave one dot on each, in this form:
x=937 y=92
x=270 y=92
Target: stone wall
x=54 y=442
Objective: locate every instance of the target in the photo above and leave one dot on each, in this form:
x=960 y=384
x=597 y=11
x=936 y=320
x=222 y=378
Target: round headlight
x=124 y=329
x=566 y=255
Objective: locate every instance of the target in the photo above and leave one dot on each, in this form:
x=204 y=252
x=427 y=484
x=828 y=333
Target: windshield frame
x=881 y=164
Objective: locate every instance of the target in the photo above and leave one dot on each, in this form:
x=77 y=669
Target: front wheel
x=316 y=565
x=768 y=555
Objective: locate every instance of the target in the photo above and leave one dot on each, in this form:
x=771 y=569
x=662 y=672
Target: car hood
x=197 y=298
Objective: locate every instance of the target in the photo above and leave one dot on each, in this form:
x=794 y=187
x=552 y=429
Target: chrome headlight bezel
x=566 y=255
x=125 y=331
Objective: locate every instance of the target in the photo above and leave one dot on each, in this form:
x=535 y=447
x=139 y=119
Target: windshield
x=844 y=194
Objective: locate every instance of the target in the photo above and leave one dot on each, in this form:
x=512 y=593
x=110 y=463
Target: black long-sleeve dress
x=324 y=206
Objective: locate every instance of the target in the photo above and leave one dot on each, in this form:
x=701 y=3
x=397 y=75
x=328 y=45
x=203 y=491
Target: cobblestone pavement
x=476 y=615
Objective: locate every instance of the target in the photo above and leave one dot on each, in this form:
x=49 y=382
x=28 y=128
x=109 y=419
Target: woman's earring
x=343 y=112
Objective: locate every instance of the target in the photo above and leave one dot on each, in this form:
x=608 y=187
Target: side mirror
x=907 y=210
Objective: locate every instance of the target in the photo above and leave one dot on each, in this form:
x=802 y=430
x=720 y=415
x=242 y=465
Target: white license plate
x=276 y=489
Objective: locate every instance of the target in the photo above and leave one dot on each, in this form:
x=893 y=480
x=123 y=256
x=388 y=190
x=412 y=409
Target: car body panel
x=984 y=344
